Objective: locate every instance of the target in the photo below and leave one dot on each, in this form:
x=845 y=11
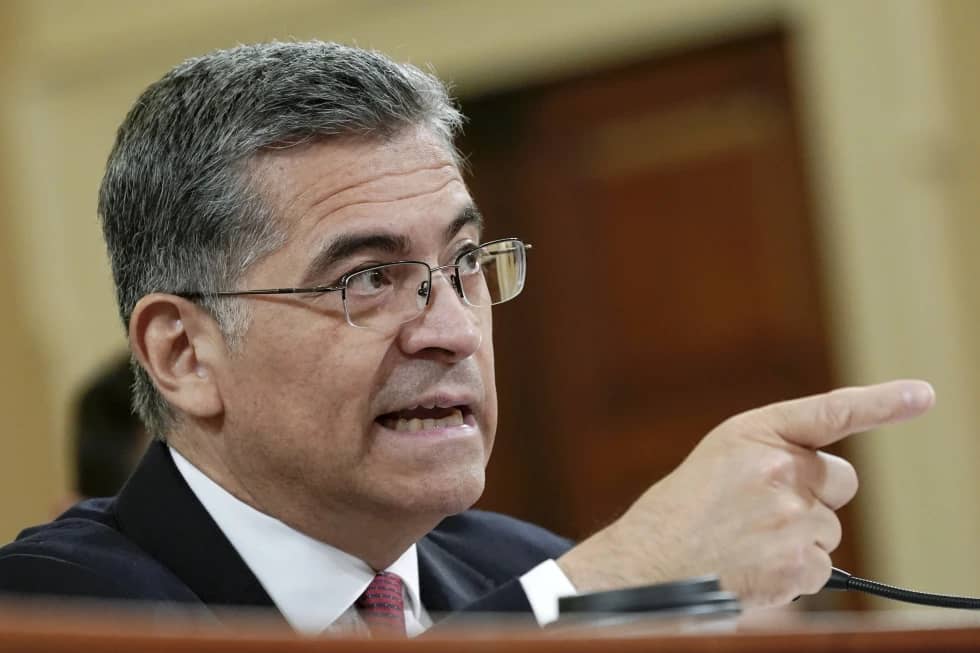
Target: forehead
x=348 y=177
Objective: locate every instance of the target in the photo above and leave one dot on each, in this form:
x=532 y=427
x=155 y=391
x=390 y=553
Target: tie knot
x=382 y=607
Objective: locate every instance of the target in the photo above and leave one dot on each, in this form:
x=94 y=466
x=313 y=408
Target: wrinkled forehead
x=324 y=173
x=340 y=199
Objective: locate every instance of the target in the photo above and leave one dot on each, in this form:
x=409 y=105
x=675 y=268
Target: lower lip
x=466 y=429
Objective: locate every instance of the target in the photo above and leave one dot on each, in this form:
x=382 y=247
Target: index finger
x=821 y=420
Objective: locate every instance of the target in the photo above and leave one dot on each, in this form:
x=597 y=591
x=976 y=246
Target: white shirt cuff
x=544 y=585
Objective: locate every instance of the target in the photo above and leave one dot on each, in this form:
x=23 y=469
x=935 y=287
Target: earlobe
x=178 y=344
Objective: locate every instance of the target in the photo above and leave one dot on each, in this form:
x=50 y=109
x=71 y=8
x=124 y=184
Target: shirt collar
x=312 y=583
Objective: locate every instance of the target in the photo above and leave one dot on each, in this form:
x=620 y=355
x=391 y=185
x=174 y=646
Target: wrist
x=607 y=561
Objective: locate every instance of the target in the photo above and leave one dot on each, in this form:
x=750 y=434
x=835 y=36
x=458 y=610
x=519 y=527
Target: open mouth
x=425 y=419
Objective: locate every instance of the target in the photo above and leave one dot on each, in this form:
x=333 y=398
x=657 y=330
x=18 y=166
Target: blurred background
x=731 y=203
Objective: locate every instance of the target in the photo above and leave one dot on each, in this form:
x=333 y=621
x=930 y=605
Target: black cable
x=841 y=580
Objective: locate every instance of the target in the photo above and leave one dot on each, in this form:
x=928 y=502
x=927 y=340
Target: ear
x=180 y=346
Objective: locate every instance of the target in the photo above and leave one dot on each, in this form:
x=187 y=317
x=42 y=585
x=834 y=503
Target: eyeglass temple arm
x=263 y=291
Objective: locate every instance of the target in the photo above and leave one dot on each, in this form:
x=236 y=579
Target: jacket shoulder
x=83 y=554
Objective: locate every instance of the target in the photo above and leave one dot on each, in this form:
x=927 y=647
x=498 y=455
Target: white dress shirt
x=315 y=585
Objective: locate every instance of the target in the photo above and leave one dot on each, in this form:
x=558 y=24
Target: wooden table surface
x=40 y=628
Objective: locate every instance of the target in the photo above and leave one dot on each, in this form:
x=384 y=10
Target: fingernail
x=919 y=395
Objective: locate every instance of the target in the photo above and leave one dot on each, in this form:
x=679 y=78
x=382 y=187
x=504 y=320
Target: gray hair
x=180 y=211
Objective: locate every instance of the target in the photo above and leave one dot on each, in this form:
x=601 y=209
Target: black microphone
x=842 y=581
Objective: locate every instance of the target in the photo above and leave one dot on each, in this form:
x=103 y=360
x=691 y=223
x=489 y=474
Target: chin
x=445 y=495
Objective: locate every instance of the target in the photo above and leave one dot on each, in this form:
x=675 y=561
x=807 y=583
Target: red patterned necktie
x=381 y=606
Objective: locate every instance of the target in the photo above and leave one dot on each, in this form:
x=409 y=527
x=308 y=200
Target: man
x=307 y=292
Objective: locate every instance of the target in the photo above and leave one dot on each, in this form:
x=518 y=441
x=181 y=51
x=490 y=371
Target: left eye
x=469 y=263
x=368 y=282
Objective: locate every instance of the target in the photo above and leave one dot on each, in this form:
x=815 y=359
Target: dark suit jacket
x=156 y=542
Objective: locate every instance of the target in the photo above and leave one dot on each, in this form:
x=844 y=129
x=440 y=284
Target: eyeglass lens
x=493 y=273
x=385 y=296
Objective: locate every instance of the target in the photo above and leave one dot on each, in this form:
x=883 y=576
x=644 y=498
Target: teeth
x=455 y=419
x=415 y=424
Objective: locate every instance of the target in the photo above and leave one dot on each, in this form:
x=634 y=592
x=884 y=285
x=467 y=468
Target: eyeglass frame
x=342 y=288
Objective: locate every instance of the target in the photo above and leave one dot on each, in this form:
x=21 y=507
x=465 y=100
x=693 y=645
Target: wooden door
x=673 y=282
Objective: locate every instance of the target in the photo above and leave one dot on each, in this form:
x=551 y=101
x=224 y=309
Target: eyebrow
x=347 y=245
x=469 y=216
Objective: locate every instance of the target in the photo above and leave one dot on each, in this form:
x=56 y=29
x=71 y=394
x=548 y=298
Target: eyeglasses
x=383 y=297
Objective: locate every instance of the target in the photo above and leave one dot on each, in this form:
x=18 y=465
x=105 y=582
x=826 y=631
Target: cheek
x=486 y=359
x=298 y=380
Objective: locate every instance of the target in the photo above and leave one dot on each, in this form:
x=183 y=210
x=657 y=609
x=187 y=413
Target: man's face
x=319 y=413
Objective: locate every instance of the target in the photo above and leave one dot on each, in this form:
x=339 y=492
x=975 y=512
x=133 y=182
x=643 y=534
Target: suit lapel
x=160 y=513
x=447 y=583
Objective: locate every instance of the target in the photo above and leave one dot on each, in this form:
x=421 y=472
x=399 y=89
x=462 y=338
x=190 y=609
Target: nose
x=448 y=329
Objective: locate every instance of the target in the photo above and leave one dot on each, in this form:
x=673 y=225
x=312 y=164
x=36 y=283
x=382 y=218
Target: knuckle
x=789 y=510
x=827 y=531
x=778 y=468
x=817 y=572
x=804 y=569
x=836 y=412
x=836 y=534
x=792 y=566
x=850 y=479
x=836 y=478
x=733 y=427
